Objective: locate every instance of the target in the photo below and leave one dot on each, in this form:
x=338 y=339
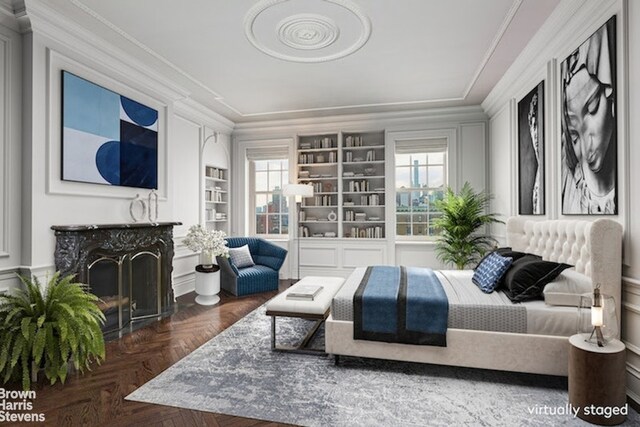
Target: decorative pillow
x=567 y=288
x=527 y=277
x=490 y=271
x=505 y=252
x=241 y=257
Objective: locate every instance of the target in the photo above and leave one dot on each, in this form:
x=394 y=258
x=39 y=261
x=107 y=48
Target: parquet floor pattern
x=97 y=398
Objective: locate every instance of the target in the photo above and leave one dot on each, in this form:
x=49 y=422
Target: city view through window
x=420 y=181
x=271 y=208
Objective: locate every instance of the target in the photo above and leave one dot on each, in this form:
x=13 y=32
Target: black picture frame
x=589 y=143
x=531 y=153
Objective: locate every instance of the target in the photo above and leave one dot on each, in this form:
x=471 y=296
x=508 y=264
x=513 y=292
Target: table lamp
x=597 y=319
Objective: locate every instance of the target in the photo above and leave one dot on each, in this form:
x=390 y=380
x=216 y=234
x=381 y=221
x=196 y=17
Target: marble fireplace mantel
x=128 y=266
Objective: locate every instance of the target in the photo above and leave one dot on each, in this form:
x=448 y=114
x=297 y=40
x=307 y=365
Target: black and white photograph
x=589 y=138
x=531 y=152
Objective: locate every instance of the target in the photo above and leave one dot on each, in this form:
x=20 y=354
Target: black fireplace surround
x=128 y=266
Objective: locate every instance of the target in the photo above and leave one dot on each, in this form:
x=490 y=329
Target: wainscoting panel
x=317 y=271
x=318 y=256
x=362 y=257
x=417 y=255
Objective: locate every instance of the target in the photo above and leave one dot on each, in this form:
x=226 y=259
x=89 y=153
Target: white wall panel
x=10 y=156
x=501 y=169
x=363 y=256
x=185 y=173
x=318 y=256
x=472 y=152
x=417 y=255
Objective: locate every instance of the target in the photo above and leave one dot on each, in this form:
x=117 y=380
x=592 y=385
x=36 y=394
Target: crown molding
x=382 y=120
x=47 y=22
x=563 y=30
x=195 y=111
x=258 y=115
x=95 y=15
x=506 y=22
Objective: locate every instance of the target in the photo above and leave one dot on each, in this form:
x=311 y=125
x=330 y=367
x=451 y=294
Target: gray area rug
x=236 y=373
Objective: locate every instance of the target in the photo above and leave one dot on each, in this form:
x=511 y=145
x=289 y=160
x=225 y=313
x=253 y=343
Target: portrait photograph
x=588 y=118
x=531 y=152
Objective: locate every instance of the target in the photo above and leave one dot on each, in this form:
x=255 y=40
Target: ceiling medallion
x=307 y=32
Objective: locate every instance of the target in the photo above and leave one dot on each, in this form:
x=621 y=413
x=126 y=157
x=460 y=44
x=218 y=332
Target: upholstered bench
x=316 y=309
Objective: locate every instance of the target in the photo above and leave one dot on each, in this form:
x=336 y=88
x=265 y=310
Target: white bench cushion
x=319 y=305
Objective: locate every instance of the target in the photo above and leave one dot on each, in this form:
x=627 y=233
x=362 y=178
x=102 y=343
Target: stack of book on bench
x=304 y=293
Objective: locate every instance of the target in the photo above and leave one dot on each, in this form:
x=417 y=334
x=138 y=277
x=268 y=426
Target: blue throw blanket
x=401 y=304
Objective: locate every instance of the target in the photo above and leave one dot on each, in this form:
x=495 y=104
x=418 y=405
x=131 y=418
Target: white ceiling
x=420 y=53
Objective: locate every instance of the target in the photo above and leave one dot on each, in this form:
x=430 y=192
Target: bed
x=537 y=342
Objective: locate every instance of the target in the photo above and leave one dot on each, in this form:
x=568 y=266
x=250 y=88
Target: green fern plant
x=47 y=328
x=463 y=214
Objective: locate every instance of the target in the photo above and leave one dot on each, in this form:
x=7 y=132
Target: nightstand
x=597 y=380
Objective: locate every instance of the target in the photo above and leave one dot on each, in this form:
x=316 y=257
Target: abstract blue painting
x=107 y=138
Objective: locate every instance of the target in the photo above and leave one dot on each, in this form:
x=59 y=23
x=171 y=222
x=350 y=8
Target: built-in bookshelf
x=363 y=185
x=216 y=198
x=347 y=172
x=318 y=166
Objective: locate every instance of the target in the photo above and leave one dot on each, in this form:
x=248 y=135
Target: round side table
x=207 y=284
x=597 y=381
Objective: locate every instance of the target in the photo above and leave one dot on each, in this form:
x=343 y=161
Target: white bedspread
x=470 y=308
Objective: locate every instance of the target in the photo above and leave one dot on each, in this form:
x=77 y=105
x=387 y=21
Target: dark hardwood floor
x=97 y=398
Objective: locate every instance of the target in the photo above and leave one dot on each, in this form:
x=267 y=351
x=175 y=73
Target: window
x=271 y=208
x=421 y=179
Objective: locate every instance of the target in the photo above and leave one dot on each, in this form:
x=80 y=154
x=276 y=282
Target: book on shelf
x=353 y=141
x=212 y=172
x=367 y=233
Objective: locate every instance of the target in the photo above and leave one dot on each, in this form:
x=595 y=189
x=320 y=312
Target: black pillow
x=505 y=252
x=526 y=278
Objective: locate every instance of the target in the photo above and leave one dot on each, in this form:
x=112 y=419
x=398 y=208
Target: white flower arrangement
x=199 y=239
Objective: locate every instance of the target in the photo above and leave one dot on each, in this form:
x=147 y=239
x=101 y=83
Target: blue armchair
x=261 y=277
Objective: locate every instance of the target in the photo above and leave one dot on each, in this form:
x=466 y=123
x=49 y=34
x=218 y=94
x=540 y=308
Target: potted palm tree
x=461 y=241
x=47 y=329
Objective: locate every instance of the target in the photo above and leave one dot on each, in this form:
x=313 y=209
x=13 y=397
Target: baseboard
x=184 y=283
x=42 y=272
x=9 y=279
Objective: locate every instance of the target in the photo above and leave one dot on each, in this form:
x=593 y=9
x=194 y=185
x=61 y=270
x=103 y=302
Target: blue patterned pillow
x=241 y=257
x=490 y=271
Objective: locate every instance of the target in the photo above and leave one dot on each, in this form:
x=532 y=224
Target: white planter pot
x=207 y=285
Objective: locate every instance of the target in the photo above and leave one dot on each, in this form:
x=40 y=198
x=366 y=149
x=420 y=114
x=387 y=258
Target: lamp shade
x=597 y=312
x=299 y=190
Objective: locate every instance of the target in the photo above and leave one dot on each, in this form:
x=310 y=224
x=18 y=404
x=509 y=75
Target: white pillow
x=567 y=288
x=241 y=257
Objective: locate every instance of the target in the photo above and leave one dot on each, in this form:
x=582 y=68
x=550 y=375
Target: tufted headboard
x=593 y=247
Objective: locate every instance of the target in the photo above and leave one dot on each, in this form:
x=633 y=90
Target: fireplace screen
x=145 y=284
x=128 y=287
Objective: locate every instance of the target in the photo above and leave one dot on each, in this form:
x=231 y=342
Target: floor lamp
x=299 y=191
